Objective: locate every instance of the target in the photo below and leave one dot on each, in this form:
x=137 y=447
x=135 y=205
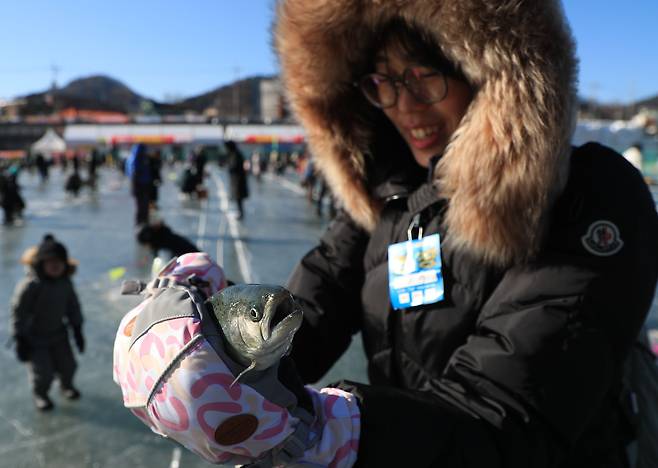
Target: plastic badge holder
x=414 y=272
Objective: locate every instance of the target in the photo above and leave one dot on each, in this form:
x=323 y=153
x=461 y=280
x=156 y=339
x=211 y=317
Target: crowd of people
x=13 y=203
x=143 y=166
x=44 y=306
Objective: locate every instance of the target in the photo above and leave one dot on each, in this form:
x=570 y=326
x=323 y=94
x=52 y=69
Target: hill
x=614 y=111
x=103 y=91
x=651 y=103
x=235 y=100
x=94 y=92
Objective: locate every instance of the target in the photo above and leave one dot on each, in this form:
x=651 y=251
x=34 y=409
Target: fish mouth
x=287 y=326
x=278 y=341
x=282 y=317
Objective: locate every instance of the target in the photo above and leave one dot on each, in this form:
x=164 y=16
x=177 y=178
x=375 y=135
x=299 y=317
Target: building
x=272 y=103
x=10 y=111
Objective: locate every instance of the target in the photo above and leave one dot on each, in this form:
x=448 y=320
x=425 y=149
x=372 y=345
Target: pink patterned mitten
x=338 y=422
x=175 y=374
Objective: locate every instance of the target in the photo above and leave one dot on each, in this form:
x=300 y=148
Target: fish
x=258 y=321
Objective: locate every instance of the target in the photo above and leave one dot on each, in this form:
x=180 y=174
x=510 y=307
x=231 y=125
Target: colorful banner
x=256 y=139
x=146 y=139
x=12 y=154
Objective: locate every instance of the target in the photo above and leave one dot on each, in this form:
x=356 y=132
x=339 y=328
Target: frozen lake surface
x=96 y=431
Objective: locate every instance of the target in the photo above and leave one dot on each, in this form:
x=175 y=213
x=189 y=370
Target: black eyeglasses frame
x=402 y=80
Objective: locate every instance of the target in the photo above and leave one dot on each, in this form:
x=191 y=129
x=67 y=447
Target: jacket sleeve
x=73 y=310
x=327 y=283
x=541 y=365
x=22 y=306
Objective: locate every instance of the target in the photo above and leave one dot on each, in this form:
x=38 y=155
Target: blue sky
x=164 y=48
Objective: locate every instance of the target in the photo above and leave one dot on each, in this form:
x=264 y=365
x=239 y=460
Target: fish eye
x=255 y=315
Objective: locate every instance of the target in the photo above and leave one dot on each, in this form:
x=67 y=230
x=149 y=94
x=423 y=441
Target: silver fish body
x=258 y=321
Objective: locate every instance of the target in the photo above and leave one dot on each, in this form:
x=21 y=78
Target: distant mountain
x=105 y=91
x=651 y=103
x=235 y=100
x=93 y=92
x=614 y=111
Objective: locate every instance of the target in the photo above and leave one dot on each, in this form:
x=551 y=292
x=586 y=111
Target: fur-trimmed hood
x=508 y=159
x=30 y=260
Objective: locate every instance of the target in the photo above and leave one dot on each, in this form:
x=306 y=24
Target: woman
x=497 y=275
x=460 y=125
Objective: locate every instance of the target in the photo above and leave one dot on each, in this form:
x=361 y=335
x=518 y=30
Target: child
x=43 y=306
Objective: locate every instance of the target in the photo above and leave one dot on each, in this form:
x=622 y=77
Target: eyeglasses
x=425 y=86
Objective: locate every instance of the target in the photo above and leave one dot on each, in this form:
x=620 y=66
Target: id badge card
x=414 y=272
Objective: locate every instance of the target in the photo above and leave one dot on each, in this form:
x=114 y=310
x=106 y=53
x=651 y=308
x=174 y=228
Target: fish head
x=258 y=321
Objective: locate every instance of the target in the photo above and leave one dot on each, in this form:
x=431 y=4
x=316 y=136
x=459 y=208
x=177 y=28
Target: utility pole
x=50 y=95
x=236 y=94
x=55 y=69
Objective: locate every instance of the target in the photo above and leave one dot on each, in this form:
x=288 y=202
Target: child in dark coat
x=44 y=306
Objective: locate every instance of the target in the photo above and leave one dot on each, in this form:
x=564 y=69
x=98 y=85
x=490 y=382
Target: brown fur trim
x=506 y=162
x=29 y=255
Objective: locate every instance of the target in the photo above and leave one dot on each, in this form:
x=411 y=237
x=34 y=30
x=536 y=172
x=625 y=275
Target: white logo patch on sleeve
x=602 y=239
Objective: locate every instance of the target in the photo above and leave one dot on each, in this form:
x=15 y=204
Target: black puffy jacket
x=518 y=366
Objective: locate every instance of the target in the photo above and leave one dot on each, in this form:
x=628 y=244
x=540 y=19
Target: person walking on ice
x=237 y=174
x=44 y=306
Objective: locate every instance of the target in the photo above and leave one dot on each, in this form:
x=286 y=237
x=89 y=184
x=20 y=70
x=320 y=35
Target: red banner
x=147 y=139
x=12 y=154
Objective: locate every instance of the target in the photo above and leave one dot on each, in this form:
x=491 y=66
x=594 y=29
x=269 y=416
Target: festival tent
x=49 y=143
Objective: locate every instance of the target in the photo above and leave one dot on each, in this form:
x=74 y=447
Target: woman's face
x=425 y=127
